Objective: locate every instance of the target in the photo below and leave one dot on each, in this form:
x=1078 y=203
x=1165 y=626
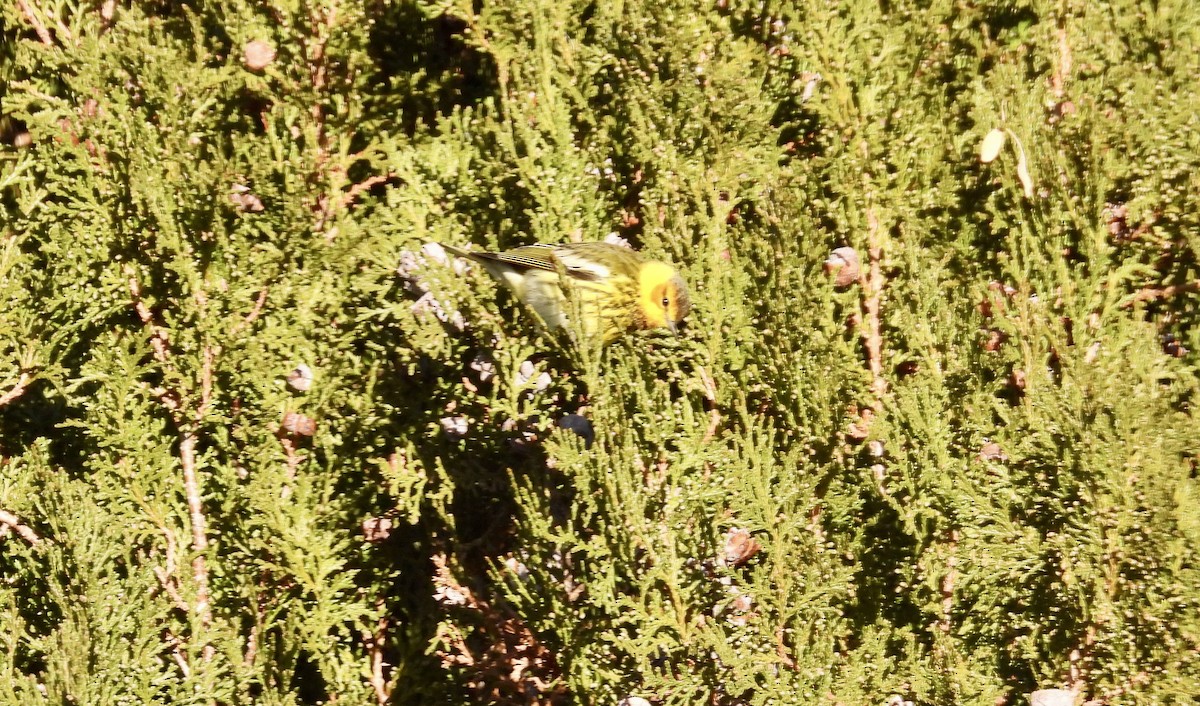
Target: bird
x=613 y=288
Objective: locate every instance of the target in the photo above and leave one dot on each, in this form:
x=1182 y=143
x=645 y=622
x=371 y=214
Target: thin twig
x=181 y=661
x=158 y=335
x=166 y=576
x=171 y=587
x=259 y=616
x=42 y=33
x=169 y=399
x=710 y=395
x=251 y=646
x=63 y=30
x=781 y=649
x=948 y=582
x=352 y=195
x=175 y=643
x=188 y=438
x=1150 y=294
x=872 y=327
x=17 y=390
x=191 y=485
x=254 y=312
x=1058 y=79
x=375 y=643
x=191 y=489
x=293 y=462
x=12 y=522
x=208 y=359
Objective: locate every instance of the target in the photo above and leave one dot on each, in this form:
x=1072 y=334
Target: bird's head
x=663 y=296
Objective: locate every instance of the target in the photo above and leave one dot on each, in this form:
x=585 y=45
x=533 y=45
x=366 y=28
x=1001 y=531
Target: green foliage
x=966 y=475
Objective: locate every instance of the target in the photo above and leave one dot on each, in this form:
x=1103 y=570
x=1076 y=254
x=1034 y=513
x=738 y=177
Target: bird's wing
x=580 y=266
x=529 y=257
x=549 y=257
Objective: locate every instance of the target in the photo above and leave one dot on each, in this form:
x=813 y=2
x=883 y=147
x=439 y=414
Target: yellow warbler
x=613 y=288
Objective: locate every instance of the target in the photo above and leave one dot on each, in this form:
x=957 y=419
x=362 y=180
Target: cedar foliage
x=966 y=476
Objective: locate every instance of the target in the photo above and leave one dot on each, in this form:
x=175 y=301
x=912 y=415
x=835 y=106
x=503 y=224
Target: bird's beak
x=673 y=327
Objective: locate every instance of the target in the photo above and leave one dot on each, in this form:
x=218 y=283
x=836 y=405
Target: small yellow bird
x=614 y=288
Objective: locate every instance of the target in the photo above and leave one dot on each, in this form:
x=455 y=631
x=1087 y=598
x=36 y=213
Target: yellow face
x=664 y=300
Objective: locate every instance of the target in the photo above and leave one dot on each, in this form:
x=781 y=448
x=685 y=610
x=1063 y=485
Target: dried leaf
x=1023 y=168
x=1052 y=697
x=811 y=80
x=993 y=142
x=300 y=378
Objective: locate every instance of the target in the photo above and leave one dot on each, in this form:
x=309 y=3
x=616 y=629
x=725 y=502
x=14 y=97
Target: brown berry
x=257 y=55
x=991 y=451
x=739 y=547
x=377 y=529
x=297 y=424
x=843 y=264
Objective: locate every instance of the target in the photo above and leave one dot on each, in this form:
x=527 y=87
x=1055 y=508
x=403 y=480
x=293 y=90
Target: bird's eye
x=666 y=302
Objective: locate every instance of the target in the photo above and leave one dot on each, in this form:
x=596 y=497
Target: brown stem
x=175 y=643
x=188 y=438
x=166 y=575
x=254 y=312
x=158 y=335
x=191 y=488
x=781 y=649
x=251 y=646
x=710 y=396
x=293 y=462
x=1149 y=294
x=318 y=74
x=375 y=643
x=18 y=389
x=206 y=377
x=352 y=195
x=948 y=581
x=1058 y=80
x=42 y=33
x=12 y=522
x=171 y=587
x=252 y=639
x=871 y=281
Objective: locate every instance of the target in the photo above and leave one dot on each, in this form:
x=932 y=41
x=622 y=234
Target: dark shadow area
x=427 y=68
